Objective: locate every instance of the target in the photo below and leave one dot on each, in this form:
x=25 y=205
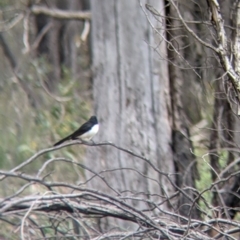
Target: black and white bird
x=85 y=132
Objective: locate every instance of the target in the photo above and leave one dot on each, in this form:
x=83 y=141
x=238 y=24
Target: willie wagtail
x=85 y=132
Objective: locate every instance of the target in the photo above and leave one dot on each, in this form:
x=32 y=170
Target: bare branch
x=222 y=49
x=187 y=27
x=57 y=13
x=89 y=203
x=10 y=24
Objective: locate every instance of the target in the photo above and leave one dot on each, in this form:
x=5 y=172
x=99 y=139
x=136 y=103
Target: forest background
x=163 y=79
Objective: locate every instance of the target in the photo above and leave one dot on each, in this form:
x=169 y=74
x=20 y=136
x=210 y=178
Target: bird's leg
x=83 y=141
x=79 y=139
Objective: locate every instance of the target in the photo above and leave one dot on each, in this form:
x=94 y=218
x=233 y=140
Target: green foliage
x=24 y=128
x=5 y=3
x=204 y=181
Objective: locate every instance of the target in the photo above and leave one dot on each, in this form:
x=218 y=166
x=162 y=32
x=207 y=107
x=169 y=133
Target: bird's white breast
x=88 y=135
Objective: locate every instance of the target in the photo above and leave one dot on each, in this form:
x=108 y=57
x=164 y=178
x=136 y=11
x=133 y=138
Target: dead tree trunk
x=132 y=101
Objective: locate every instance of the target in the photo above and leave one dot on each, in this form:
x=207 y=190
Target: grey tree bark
x=132 y=101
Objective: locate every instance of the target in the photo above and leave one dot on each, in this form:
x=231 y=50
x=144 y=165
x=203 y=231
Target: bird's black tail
x=62 y=140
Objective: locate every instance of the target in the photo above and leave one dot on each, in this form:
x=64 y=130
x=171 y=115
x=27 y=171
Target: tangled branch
x=56 y=201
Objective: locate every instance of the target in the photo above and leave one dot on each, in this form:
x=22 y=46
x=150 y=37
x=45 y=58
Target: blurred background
x=155 y=89
x=46 y=85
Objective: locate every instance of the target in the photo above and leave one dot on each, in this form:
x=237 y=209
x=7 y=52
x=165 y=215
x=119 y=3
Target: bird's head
x=93 y=119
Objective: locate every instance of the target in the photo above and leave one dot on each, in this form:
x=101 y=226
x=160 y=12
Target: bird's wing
x=84 y=128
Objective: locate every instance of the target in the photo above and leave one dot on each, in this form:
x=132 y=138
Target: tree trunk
x=184 y=55
x=60 y=44
x=132 y=102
